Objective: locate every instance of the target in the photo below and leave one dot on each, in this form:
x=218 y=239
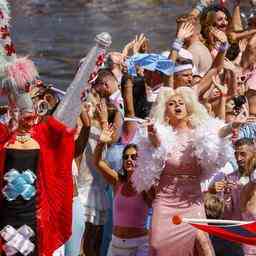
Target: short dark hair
x=104 y=72
x=244 y=141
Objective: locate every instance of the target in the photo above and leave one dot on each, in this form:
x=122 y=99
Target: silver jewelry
x=23 y=138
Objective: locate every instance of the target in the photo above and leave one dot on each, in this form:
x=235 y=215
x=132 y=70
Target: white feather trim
x=211 y=151
x=151 y=160
x=5 y=9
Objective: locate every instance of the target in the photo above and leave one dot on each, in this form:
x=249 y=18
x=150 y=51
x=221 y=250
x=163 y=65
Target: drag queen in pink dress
x=179 y=151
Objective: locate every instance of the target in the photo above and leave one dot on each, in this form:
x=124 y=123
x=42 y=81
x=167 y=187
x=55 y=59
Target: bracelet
x=177 y=44
x=223 y=47
x=200 y=6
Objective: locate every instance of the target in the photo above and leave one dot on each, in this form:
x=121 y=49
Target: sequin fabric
x=17 y=241
x=19 y=184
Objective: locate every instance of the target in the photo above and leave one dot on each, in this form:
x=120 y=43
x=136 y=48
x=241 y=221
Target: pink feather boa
x=22 y=71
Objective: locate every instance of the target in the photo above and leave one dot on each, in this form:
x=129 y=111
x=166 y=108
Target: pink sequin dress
x=177 y=168
x=178 y=193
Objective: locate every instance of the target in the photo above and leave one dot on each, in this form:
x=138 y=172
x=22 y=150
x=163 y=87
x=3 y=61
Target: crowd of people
x=157 y=135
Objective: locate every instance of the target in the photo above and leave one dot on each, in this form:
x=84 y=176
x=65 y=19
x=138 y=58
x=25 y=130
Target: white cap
x=183 y=53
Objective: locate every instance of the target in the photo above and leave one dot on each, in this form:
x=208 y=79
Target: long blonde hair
x=197 y=112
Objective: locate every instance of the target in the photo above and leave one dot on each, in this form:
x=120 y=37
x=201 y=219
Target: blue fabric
x=72 y=247
x=107 y=231
x=149 y=219
x=114 y=159
x=151 y=62
x=224 y=247
x=19 y=184
x=248 y=131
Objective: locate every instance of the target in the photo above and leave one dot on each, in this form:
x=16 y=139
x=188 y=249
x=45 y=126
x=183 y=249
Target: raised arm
x=242 y=47
x=237 y=36
x=218 y=62
x=129 y=127
x=206 y=82
x=199 y=8
x=69 y=108
x=236 y=19
x=83 y=136
x=108 y=173
x=221 y=113
x=184 y=31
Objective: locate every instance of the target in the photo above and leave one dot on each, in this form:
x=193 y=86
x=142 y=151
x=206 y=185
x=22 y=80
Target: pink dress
x=178 y=193
x=184 y=159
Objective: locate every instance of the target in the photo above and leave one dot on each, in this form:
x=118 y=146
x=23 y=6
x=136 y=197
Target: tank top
x=129 y=211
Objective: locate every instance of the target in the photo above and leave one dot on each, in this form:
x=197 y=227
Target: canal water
x=57 y=33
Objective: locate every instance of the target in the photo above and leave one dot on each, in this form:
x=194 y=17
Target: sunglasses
x=132 y=156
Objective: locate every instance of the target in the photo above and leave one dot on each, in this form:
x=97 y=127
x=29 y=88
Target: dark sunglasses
x=133 y=156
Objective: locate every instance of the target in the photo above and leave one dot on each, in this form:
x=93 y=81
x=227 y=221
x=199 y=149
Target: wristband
x=223 y=47
x=200 y=6
x=177 y=44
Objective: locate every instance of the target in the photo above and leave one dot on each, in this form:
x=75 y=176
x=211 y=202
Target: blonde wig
x=196 y=111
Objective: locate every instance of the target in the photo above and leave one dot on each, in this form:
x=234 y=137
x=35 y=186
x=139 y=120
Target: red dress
x=54 y=183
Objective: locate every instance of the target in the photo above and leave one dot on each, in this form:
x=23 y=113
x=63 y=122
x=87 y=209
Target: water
x=57 y=33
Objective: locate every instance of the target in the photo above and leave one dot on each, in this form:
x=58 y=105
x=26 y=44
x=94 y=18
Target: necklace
x=23 y=138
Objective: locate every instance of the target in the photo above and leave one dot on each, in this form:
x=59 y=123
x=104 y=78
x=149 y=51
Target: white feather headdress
x=19 y=70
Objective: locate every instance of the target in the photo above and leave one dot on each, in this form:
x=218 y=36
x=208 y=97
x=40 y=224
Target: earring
x=42 y=107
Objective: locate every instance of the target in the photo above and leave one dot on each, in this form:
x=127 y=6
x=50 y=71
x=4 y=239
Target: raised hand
x=106 y=134
x=186 y=30
x=219 y=35
x=102 y=112
x=242 y=45
x=128 y=48
x=222 y=88
x=145 y=48
x=139 y=43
